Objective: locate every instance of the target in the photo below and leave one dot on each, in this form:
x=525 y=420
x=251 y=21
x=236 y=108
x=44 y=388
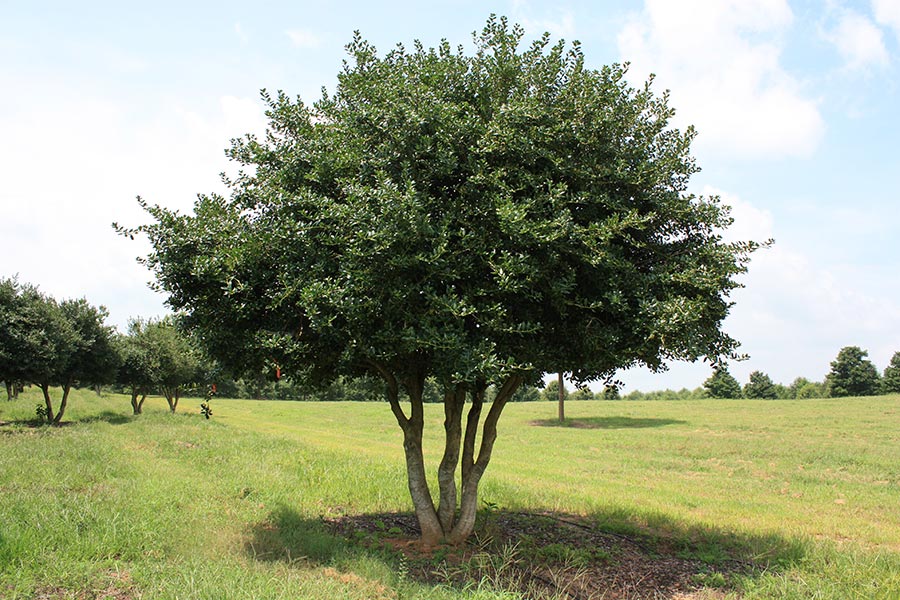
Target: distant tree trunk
x=12 y=390
x=562 y=398
x=137 y=406
x=171 y=393
x=62 y=404
x=45 y=388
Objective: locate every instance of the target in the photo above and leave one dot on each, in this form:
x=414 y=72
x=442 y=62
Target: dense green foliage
x=682 y=394
x=760 y=386
x=156 y=355
x=852 y=374
x=722 y=384
x=50 y=343
x=472 y=216
x=890 y=382
x=551 y=391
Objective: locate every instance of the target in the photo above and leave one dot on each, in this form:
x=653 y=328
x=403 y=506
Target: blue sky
x=796 y=104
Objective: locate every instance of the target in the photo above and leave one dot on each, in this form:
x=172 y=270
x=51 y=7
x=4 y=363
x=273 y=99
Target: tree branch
x=392 y=392
x=489 y=432
x=474 y=416
x=454 y=400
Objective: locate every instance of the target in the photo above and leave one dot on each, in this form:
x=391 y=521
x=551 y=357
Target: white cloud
x=887 y=13
x=721 y=61
x=241 y=34
x=795 y=313
x=750 y=222
x=859 y=41
x=303 y=38
x=73 y=167
x=561 y=25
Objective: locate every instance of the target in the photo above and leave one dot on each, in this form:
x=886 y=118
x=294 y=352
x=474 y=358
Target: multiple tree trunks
x=454 y=518
x=55 y=418
x=12 y=389
x=172 y=395
x=137 y=406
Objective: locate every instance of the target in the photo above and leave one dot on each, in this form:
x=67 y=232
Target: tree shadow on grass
x=539 y=554
x=608 y=423
x=19 y=425
x=108 y=416
x=287 y=536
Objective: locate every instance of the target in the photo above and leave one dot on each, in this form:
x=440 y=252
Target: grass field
x=175 y=506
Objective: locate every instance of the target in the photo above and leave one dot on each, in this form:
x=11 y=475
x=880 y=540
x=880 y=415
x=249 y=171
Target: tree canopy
x=890 y=382
x=760 y=386
x=722 y=384
x=50 y=343
x=852 y=374
x=481 y=219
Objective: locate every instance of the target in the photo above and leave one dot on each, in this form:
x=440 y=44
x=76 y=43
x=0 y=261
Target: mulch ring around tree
x=545 y=555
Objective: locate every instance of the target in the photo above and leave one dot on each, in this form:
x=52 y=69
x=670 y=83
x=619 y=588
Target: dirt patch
x=546 y=555
x=114 y=585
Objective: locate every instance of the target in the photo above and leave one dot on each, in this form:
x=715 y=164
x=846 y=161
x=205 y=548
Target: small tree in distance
x=139 y=368
x=760 y=386
x=179 y=361
x=54 y=344
x=722 y=384
x=550 y=392
x=852 y=374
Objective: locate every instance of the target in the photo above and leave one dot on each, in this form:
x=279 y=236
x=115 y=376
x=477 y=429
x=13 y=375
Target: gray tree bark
x=454 y=519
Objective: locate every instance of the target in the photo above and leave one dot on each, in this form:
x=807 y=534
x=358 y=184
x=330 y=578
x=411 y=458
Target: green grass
x=175 y=506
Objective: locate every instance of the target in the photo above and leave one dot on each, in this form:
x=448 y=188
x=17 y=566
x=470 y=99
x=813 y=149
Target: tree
x=526 y=393
x=582 y=393
x=721 y=384
x=760 y=386
x=11 y=349
x=797 y=385
x=84 y=353
x=812 y=389
x=139 y=369
x=50 y=344
x=480 y=219
x=611 y=392
x=551 y=391
x=852 y=375
x=890 y=383
x=179 y=362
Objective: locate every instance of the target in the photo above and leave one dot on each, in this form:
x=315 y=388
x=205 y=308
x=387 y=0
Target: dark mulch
x=545 y=555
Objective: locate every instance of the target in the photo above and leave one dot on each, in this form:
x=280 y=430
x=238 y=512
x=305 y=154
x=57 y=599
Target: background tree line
x=63 y=344
x=851 y=374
